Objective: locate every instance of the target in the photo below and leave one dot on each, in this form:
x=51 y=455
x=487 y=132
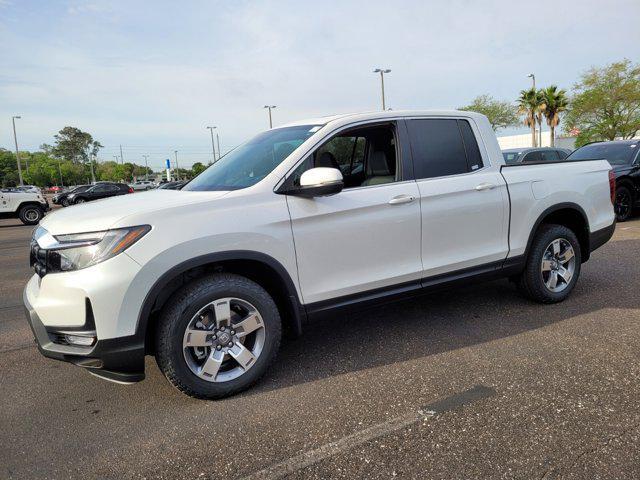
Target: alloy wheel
x=558 y=265
x=623 y=203
x=223 y=340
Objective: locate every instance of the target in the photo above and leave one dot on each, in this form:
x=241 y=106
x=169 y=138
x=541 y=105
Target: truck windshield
x=615 y=153
x=251 y=162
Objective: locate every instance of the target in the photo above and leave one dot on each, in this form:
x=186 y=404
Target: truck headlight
x=81 y=250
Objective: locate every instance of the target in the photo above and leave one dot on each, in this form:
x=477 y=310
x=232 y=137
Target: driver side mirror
x=318 y=182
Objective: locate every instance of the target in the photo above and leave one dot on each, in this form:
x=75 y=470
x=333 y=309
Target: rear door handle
x=485 y=186
x=400 y=199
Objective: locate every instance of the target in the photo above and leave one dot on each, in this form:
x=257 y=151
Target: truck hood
x=109 y=212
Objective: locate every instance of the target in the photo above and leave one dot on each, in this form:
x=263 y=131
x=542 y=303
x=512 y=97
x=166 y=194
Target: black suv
x=624 y=157
x=62 y=198
x=98 y=191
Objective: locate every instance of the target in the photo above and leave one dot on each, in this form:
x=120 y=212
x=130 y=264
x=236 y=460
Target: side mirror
x=318 y=182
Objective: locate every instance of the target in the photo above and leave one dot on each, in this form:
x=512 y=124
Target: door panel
x=464 y=221
x=356 y=240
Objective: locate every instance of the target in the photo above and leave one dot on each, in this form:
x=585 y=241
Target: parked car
x=29 y=189
x=62 y=198
x=142 y=185
x=531 y=155
x=307 y=219
x=27 y=206
x=171 y=185
x=624 y=157
x=98 y=191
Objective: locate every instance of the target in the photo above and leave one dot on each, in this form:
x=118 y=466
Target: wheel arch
x=28 y=203
x=258 y=267
x=572 y=216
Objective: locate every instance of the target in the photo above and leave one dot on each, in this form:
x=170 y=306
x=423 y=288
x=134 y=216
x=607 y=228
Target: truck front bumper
x=117 y=359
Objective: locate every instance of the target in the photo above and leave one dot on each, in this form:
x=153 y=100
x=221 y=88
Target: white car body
x=142 y=185
x=12 y=201
x=393 y=238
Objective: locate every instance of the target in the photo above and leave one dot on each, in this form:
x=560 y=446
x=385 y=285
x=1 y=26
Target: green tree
x=73 y=144
x=605 y=104
x=197 y=168
x=529 y=105
x=554 y=102
x=500 y=114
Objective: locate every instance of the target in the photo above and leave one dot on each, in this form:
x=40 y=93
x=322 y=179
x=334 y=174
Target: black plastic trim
x=296 y=309
x=602 y=236
x=502 y=268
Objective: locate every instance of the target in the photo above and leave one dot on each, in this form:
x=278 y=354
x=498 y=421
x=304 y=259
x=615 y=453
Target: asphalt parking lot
x=475 y=383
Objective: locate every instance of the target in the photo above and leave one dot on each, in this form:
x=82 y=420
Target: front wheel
x=65 y=202
x=217 y=336
x=553 y=265
x=78 y=201
x=30 y=214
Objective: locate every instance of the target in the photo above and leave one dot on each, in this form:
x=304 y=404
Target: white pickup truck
x=28 y=206
x=313 y=217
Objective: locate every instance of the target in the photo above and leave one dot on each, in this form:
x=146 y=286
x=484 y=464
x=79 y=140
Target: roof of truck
x=374 y=115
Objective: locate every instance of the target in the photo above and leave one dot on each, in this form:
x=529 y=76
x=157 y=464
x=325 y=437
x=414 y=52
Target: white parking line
x=312 y=457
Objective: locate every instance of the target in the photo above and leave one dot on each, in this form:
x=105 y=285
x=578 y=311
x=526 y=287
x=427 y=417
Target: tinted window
x=99 y=189
x=470 y=145
x=510 y=157
x=437 y=148
x=615 y=153
x=549 y=156
x=533 y=157
x=562 y=154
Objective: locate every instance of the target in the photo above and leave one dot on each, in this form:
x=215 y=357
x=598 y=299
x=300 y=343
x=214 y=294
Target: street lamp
x=213 y=146
x=532 y=76
x=270 y=119
x=382 y=71
x=15 y=139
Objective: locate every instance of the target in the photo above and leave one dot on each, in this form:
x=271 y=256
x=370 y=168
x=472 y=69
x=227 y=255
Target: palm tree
x=529 y=105
x=554 y=102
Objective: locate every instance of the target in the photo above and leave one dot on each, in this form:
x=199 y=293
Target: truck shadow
x=459 y=318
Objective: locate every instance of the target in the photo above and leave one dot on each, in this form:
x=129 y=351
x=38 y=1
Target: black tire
x=624 y=203
x=178 y=312
x=531 y=282
x=30 y=214
x=65 y=202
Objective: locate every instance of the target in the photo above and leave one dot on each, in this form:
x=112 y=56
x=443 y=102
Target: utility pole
x=213 y=146
x=218 y=141
x=60 y=171
x=146 y=167
x=177 y=167
x=116 y=157
x=93 y=177
x=15 y=139
x=533 y=78
x=382 y=71
x=270 y=119
x=121 y=155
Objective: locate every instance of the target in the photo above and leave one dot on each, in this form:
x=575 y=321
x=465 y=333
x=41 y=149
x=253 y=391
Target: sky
x=152 y=75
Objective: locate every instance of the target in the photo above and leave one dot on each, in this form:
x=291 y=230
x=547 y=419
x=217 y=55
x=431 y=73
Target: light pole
x=213 y=146
x=533 y=79
x=15 y=139
x=177 y=167
x=270 y=119
x=382 y=71
x=121 y=155
x=146 y=167
x=218 y=142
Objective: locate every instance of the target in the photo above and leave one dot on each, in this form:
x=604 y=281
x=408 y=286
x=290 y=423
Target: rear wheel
x=30 y=214
x=217 y=336
x=79 y=200
x=553 y=265
x=624 y=203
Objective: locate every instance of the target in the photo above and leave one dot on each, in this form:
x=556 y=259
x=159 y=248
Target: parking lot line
x=348 y=442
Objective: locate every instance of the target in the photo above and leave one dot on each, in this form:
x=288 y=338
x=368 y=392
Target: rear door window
x=549 y=156
x=438 y=148
x=532 y=157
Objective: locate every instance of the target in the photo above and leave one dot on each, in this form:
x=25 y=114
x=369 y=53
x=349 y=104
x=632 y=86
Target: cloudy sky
x=152 y=75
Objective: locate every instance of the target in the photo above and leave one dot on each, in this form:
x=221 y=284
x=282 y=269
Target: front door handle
x=400 y=199
x=485 y=186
